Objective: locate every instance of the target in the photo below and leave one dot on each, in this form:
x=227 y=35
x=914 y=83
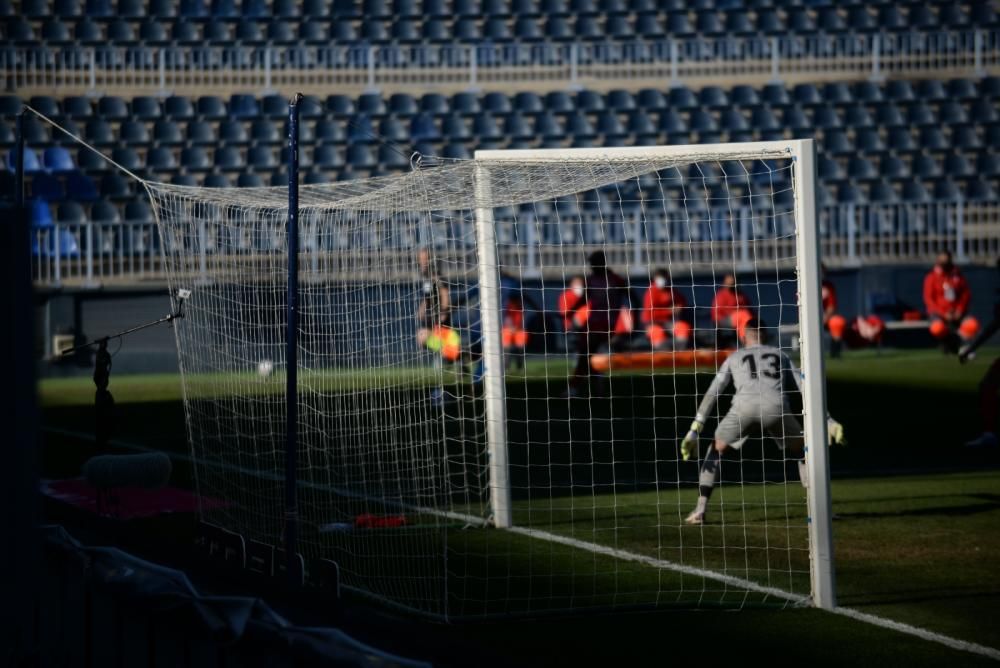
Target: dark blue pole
x=19 y=163
x=291 y=352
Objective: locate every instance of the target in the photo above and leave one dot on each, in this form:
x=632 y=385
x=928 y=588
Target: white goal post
x=803 y=152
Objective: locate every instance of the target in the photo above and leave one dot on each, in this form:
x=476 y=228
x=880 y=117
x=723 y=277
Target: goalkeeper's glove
x=689 y=446
x=835 y=432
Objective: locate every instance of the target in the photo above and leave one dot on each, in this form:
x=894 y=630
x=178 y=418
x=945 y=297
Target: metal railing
x=95 y=254
x=152 y=69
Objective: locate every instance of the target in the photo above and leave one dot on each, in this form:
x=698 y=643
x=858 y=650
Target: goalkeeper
x=763 y=377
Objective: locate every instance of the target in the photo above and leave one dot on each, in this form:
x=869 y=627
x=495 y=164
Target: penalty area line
x=625 y=555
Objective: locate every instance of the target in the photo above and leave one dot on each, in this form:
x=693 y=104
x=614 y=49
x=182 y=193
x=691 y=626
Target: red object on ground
x=659 y=360
x=369 y=521
x=126 y=503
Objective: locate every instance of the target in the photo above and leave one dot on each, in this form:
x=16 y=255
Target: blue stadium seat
x=392 y=130
x=34 y=9
x=988 y=163
x=99 y=133
x=103 y=211
x=525 y=7
x=882 y=192
x=979 y=190
x=435 y=104
x=829 y=169
x=558 y=102
x=162 y=9
x=894 y=168
x=485 y=127
x=138 y=211
x=229 y=159
x=861 y=169
x=922 y=17
x=211 y=107
x=240 y=106
x=201 y=133
x=830 y=21
x=914 y=191
x=590 y=101
x=281 y=33
x=329 y=131
x=983 y=13
x=744 y=96
x=128 y=158
x=769 y=21
x=966 y=137
x=849 y=193
x=340 y=105
x=194 y=9
x=984 y=112
x=20 y=31
x=43 y=104
x=185 y=33
x=497 y=103
x=651 y=99
x=799 y=20
x=763 y=120
x=713 y=97
x=218 y=33
x=734 y=121
x=528 y=102
x=88 y=32
x=926 y=167
x=609 y=125
x=115 y=186
x=455 y=128
x=858 y=116
x=423 y=128
x=466 y=103
x=121 y=33
x=921 y=114
x=648 y=26
x=957 y=165
x=391 y=157
x=360 y=129
x=359 y=156
x=436 y=31
x=776 y=95
x=41 y=215
x=55 y=32
x=617 y=27
x=869 y=140
x=620 y=100
x=516 y=127
x=549 y=127
x=836 y=142
x=184 y=180
x=372 y=104
x=259 y=9
x=160 y=160
x=80 y=187
x=178 y=108
x=406 y=31
x=195 y=159
x=249 y=33
x=641 y=124
x=946 y=190
x=250 y=181
x=889 y=115
x=961 y=89
x=407 y=9
x=868 y=92
x=952 y=112
x=262 y=158
x=738 y=23
x=225 y=9
x=47 y=187
x=703 y=121
x=466 y=30
x=900 y=90
x=134 y=133
x=90 y=162
x=931 y=90
x=901 y=140
x=10 y=105
x=167 y=133
x=216 y=181
x=795 y=119
x=233 y=132
x=497 y=29
x=579 y=126
x=891 y=18
x=146 y=108
x=826 y=117
x=932 y=139
x=71 y=213
x=709 y=24
x=837 y=92
x=36 y=133
x=861 y=18
x=328 y=157
x=588 y=28
x=67 y=9
x=112 y=108
x=315 y=8
x=807 y=94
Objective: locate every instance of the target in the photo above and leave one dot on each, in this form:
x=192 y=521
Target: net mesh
x=394 y=466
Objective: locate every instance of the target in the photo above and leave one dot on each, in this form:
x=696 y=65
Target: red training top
x=659 y=303
x=946 y=292
x=726 y=302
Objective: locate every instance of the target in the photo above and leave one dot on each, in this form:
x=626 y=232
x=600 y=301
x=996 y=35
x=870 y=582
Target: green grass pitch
x=916 y=535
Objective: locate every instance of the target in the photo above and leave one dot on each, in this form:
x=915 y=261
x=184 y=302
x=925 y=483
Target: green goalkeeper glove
x=689 y=446
x=835 y=432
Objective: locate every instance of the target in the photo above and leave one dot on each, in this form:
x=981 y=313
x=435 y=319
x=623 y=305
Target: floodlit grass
x=920 y=549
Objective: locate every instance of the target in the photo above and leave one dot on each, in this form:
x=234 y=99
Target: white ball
x=265 y=368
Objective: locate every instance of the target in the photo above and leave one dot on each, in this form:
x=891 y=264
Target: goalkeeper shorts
x=775 y=421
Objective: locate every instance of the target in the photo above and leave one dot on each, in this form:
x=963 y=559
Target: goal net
x=497 y=362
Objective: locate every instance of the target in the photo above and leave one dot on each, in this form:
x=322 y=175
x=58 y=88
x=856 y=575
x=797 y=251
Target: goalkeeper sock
x=708 y=476
x=803 y=473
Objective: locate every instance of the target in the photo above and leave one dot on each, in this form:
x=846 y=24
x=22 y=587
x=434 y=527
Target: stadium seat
x=134 y=133
x=216 y=181
x=914 y=191
x=99 y=9
x=894 y=168
x=926 y=167
x=979 y=190
x=233 y=132
x=588 y=28
x=829 y=169
x=486 y=128
x=869 y=140
x=40 y=213
x=262 y=158
x=946 y=190
x=80 y=187
x=956 y=165
x=966 y=137
x=882 y=192
x=392 y=157
x=116 y=186
x=137 y=211
x=497 y=103
x=738 y=23
x=961 y=89
x=71 y=213
x=184 y=180
x=922 y=17
x=88 y=32
x=167 y=133
x=217 y=33
x=799 y=20
x=932 y=139
x=282 y=33
x=528 y=103
x=112 y=108
x=861 y=18
x=43 y=104
x=185 y=33
x=67 y=9
x=201 y=133
x=617 y=27
x=57 y=159
x=340 y=106
x=160 y=160
x=983 y=13
x=329 y=131
x=359 y=156
x=868 y=92
x=193 y=9
x=328 y=157
x=890 y=18
x=921 y=114
x=836 y=142
x=795 y=119
x=826 y=117
x=579 y=126
x=984 y=112
x=162 y=9
x=46 y=187
x=525 y=7
x=392 y=130
x=734 y=121
x=455 y=128
x=516 y=127
x=250 y=33
x=55 y=32
x=901 y=140
x=225 y=9
x=466 y=103
x=211 y=107
x=121 y=33
x=145 y=108
x=177 y=107
x=242 y=106
x=889 y=115
x=90 y=162
x=641 y=124
x=20 y=32
x=849 y=193
x=263 y=131
x=703 y=121
x=776 y=95
x=371 y=104
x=857 y=116
x=99 y=133
x=315 y=8
x=861 y=169
x=195 y=159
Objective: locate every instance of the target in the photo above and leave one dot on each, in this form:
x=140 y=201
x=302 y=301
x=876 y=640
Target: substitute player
x=763 y=377
x=946 y=297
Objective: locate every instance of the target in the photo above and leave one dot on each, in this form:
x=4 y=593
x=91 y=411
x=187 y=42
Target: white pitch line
x=597 y=548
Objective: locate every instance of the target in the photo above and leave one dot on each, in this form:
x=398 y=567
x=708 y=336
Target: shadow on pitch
x=990 y=502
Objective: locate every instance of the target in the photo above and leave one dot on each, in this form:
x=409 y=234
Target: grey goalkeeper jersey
x=762 y=376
